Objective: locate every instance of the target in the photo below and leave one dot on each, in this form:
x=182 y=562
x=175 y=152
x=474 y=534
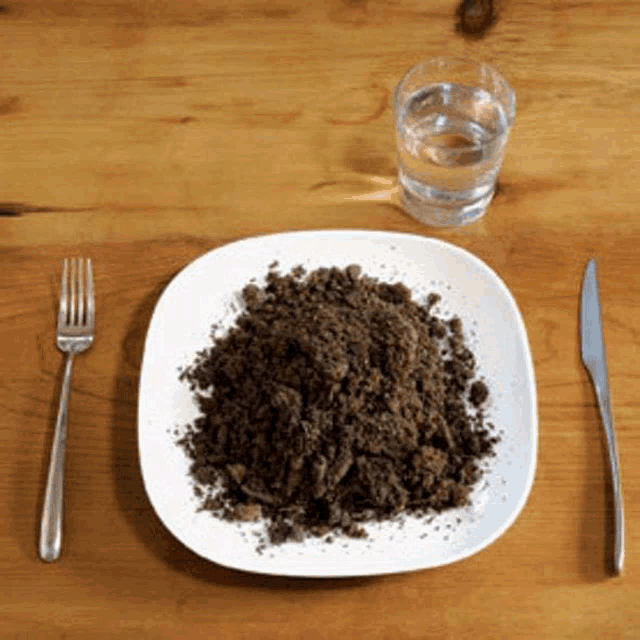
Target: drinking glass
x=452 y=118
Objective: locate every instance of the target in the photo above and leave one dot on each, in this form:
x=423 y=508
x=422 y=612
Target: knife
x=594 y=357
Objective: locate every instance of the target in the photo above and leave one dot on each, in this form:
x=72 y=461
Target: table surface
x=146 y=133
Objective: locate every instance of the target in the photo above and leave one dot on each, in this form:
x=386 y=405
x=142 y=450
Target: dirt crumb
x=247 y=512
x=335 y=400
x=478 y=394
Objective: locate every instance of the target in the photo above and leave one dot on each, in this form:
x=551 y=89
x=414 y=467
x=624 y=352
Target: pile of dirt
x=334 y=400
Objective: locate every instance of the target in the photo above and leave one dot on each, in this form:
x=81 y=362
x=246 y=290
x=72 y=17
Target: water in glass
x=451 y=140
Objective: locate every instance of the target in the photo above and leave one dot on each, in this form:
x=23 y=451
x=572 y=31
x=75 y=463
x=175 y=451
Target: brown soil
x=335 y=400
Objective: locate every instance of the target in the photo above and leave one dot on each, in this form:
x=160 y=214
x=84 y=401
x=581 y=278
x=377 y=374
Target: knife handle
x=604 y=405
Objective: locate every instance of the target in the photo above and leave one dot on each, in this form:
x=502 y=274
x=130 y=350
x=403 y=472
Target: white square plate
x=207 y=292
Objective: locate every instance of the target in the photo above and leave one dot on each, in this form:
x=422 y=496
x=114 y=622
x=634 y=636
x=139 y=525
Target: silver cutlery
x=76 y=327
x=594 y=357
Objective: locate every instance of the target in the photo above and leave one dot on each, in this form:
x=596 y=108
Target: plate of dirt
x=337 y=403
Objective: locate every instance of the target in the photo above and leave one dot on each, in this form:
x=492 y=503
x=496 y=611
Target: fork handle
x=51 y=523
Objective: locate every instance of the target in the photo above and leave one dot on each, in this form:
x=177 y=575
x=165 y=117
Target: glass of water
x=452 y=119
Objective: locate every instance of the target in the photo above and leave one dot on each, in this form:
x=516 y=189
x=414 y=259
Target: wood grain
x=144 y=133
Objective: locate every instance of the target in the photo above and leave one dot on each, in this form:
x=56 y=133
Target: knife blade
x=594 y=357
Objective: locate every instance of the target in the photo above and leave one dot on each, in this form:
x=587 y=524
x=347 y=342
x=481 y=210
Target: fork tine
x=72 y=286
x=64 y=294
x=81 y=321
x=91 y=304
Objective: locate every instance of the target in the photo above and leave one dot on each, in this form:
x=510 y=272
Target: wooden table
x=144 y=133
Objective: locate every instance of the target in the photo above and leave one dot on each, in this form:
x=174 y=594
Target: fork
x=76 y=326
